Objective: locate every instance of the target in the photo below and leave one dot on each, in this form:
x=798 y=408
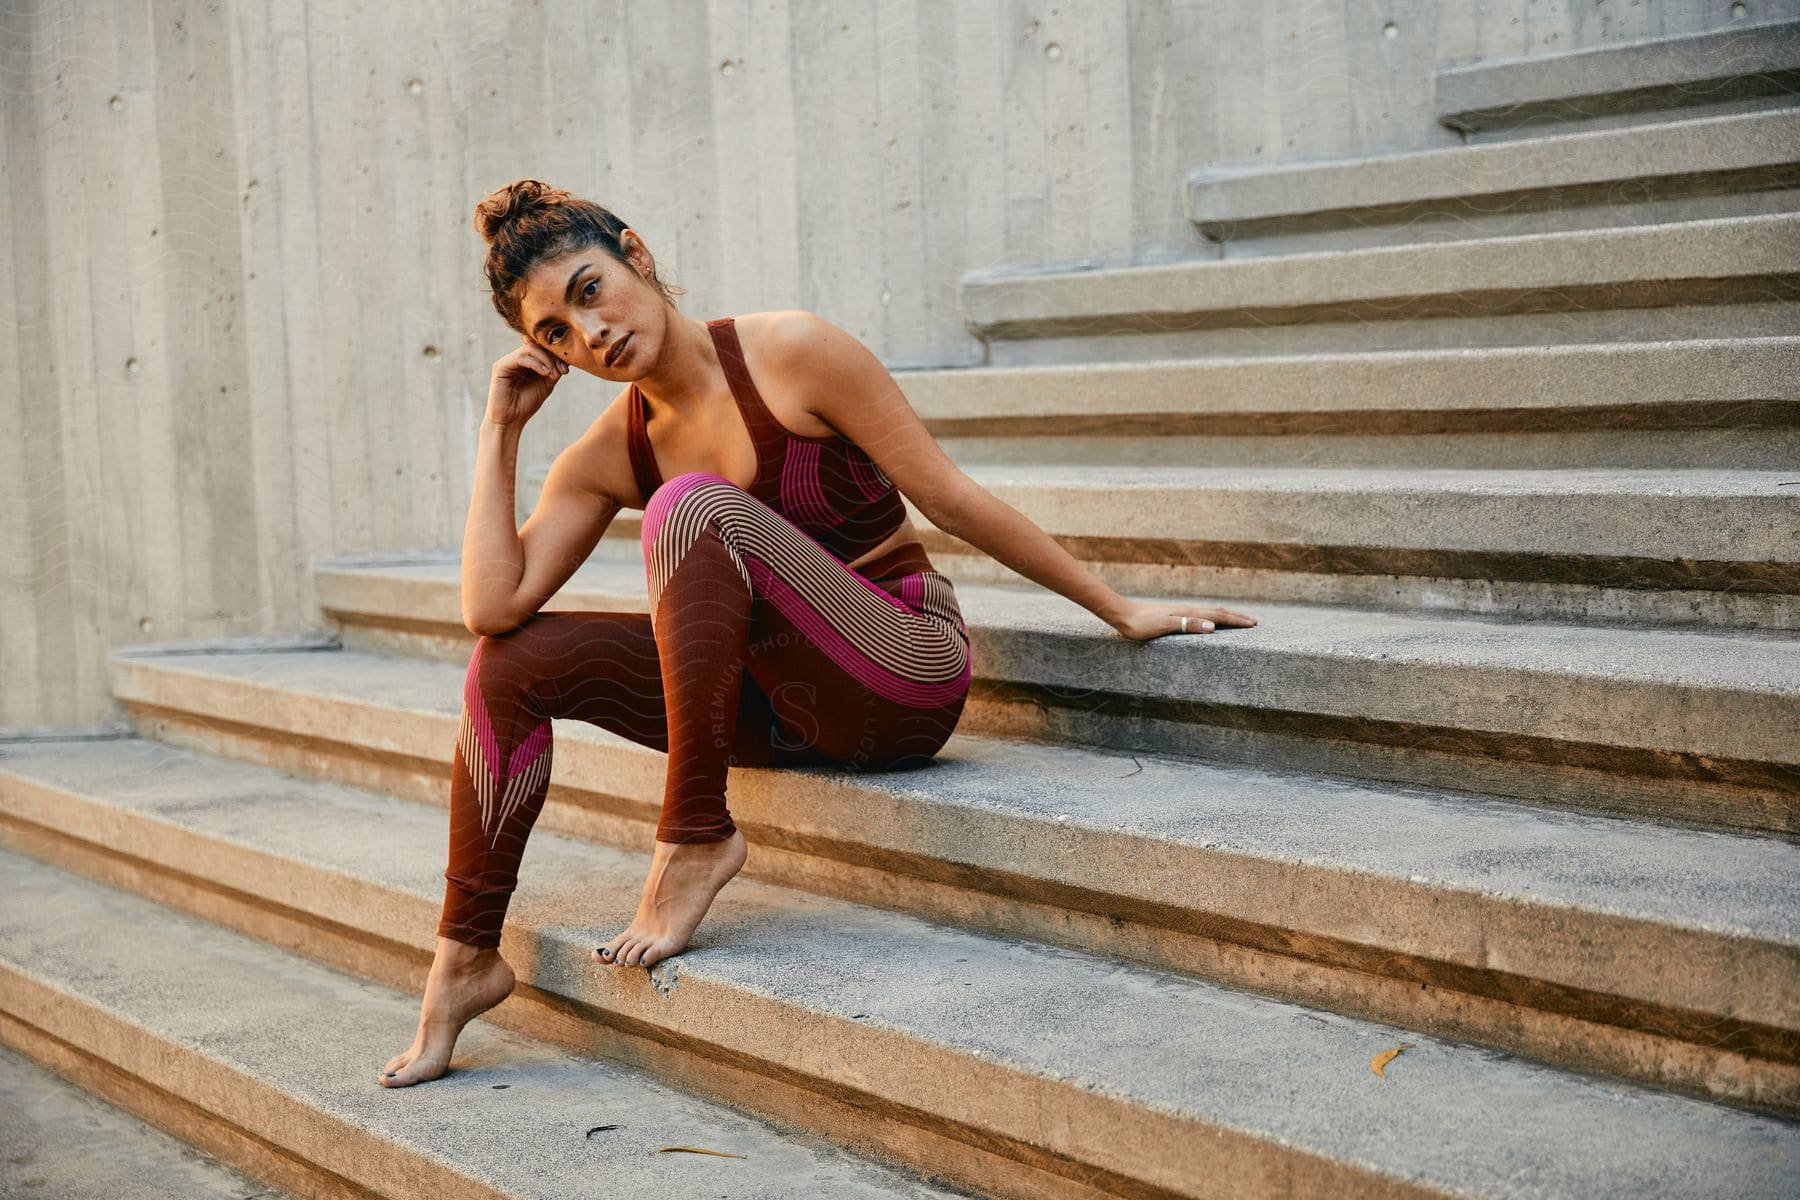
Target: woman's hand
x=523 y=379
x=1140 y=621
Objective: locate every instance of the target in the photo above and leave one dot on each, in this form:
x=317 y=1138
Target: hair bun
x=515 y=201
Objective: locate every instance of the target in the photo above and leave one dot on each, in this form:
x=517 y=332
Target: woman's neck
x=688 y=370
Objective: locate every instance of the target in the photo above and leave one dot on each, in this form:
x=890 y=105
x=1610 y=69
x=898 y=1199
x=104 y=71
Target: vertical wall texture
x=245 y=323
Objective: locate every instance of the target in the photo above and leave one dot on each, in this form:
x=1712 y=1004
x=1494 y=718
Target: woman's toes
x=413 y=1072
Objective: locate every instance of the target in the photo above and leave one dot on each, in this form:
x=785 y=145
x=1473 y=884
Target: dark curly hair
x=527 y=222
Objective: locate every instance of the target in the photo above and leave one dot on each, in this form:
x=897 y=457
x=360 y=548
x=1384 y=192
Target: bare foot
x=683 y=880
x=465 y=981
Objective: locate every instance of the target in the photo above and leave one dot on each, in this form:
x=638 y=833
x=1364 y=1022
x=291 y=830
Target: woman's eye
x=591 y=283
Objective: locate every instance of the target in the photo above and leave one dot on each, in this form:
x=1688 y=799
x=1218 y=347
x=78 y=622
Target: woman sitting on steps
x=794 y=617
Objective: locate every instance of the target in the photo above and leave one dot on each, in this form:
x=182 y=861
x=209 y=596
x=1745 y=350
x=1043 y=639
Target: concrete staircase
x=1493 y=440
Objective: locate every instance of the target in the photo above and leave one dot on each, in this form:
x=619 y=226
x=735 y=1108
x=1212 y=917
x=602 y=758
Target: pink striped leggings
x=759 y=649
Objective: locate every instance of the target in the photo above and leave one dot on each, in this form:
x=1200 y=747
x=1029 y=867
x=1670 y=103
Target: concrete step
x=1736 y=65
x=1460 y=914
x=269 y=1060
x=1716 y=403
x=1167 y=1087
x=1673 y=547
x=1693 y=726
x=64 y=1143
x=1729 y=403
x=1724 y=277
x=1707 y=167
x=1679 y=386
x=1683 y=531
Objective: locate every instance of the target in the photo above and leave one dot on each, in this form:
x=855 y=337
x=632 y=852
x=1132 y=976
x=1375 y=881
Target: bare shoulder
x=783 y=336
x=796 y=355
x=598 y=462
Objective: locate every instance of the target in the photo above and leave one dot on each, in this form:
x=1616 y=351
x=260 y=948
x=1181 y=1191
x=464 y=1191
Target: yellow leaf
x=698 y=1150
x=1385 y=1057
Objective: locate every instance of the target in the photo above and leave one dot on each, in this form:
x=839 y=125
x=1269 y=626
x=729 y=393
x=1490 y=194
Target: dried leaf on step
x=1385 y=1057
x=698 y=1150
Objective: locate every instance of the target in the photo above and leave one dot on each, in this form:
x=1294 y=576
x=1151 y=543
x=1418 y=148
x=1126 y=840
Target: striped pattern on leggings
x=766 y=651
x=912 y=650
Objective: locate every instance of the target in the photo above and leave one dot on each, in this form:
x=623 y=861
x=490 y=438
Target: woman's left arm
x=848 y=388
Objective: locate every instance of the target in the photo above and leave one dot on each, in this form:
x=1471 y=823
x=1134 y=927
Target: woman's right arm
x=508 y=572
x=493 y=557
x=507 y=576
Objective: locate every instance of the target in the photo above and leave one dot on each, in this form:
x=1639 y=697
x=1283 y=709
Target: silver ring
x=1184 y=624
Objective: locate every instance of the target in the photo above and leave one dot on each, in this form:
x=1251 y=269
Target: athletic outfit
x=761 y=648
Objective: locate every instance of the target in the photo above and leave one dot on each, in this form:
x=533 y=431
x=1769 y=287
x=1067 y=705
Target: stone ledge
x=1165 y=1084
x=1481 y=897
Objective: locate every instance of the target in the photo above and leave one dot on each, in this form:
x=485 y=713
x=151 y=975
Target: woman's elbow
x=488 y=624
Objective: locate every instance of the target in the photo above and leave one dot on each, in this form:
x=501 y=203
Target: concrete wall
x=246 y=323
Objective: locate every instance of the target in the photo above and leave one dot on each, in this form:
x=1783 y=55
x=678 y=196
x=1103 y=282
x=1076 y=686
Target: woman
x=794 y=617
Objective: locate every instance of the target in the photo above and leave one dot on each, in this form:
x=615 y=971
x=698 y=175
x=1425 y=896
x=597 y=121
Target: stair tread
x=1006 y=302
x=1699 y=482
x=320 y=1036
x=1483 y=377
x=1647 y=150
x=1739 y=660
x=1526 y=255
x=1588 y=74
x=1646 y=133
x=66 y=1143
x=1148 y=1040
x=1697 y=879
x=1697 y=514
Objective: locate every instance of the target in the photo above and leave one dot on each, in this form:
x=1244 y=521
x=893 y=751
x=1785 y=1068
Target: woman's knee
x=514 y=659
x=686 y=501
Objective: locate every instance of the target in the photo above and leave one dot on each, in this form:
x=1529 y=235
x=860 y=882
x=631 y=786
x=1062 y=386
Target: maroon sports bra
x=826 y=486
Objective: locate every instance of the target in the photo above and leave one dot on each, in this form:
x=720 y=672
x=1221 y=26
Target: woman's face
x=583 y=305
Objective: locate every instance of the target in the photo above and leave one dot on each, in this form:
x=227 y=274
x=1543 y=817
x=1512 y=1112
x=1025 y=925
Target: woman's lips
x=618 y=350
